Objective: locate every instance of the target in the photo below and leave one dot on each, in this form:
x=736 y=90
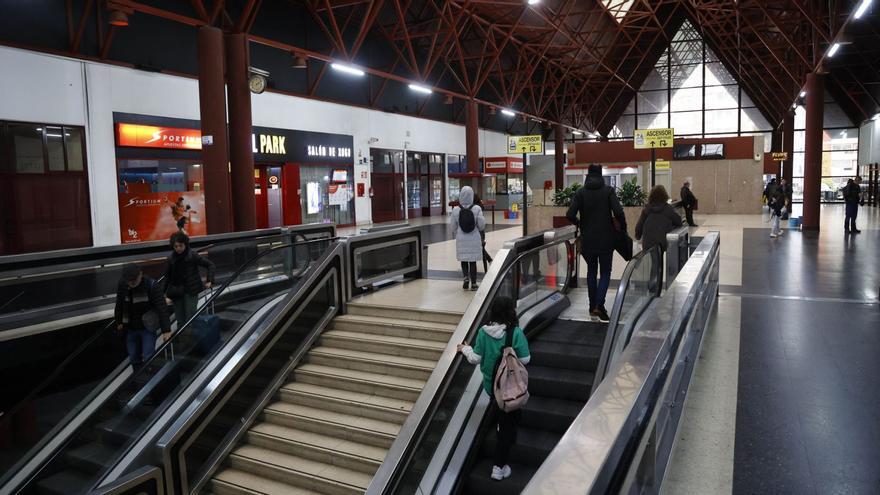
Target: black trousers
x=506 y=431
x=689 y=215
x=469 y=270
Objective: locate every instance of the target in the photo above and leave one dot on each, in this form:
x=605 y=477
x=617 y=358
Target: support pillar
x=472 y=136
x=240 y=133
x=813 y=150
x=212 y=108
x=788 y=146
x=559 y=175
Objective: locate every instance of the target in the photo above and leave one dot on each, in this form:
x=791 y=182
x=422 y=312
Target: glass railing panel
x=641 y=287
x=541 y=274
x=130 y=409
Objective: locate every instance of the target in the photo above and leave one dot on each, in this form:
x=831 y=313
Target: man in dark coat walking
x=591 y=209
x=688 y=201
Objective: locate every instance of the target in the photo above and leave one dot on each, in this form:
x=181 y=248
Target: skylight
x=618 y=8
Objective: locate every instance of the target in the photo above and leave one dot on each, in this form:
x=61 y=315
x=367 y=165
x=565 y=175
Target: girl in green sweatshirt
x=486 y=352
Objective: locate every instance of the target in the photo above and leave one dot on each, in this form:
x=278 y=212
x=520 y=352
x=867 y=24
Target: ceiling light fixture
x=420 y=89
x=803 y=93
x=354 y=71
x=577 y=133
x=507 y=112
x=534 y=2
x=876 y=116
x=118 y=18
x=833 y=49
x=299 y=62
x=862 y=8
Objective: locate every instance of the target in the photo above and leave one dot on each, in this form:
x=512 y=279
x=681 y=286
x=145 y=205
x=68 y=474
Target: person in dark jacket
x=852 y=196
x=140 y=311
x=183 y=280
x=776 y=202
x=657 y=219
x=591 y=208
x=688 y=201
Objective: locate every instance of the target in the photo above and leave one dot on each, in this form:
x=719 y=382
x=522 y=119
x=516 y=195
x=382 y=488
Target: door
x=273 y=197
x=261 y=196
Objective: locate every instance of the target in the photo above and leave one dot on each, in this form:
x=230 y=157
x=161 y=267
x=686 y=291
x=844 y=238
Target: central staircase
x=331 y=424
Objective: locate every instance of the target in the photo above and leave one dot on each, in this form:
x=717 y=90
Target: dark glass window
x=55 y=148
x=713 y=150
x=73 y=141
x=5 y=151
x=684 y=151
x=27 y=145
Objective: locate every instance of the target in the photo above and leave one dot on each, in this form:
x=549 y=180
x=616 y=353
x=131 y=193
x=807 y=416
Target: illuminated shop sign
x=268 y=144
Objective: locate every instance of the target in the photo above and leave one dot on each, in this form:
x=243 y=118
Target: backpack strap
x=508 y=340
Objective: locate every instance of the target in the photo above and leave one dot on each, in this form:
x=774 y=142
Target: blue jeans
x=140 y=344
x=852 y=211
x=597 y=290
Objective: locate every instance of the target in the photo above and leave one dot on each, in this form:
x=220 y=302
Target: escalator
x=448 y=447
x=110 y=419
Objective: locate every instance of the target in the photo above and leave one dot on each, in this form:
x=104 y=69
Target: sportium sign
x=652 y=138
x=779 y=156
x=517 y=145
x=149 y=136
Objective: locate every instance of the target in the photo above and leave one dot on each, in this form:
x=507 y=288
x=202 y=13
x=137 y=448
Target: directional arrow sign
x=525 y=144
x=652 y=138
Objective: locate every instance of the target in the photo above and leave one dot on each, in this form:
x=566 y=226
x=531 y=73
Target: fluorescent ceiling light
x=420 y=89
x=876 y=116
x=508 y=112
x=803 y=93
x=860 y=11
x=833 y=49
x=347 y=69
x=577 y=133
x=534 y=2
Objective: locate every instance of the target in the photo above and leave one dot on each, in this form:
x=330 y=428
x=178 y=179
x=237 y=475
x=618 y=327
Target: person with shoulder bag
x=496 y=343
x=658 y=218
x=596 y=209
x=466 y=222
x=852 y=196
x=140 y=312
x=183 y=280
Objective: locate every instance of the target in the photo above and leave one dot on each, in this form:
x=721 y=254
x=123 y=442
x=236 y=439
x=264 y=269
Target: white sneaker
x=773 y=236
x=499 y=473
x=781 y=232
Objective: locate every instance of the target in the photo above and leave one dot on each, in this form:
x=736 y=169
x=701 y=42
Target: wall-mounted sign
x=268 y=144
x=662 y=165
x=502 y=166
x=525 y=144
x=653 y=138
x=149 y=136
x=779 y=156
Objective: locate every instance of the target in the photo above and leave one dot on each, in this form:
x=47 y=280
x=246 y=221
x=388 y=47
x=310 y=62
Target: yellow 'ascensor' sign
x=652 y=138
x=525 y=144
x=662 y=165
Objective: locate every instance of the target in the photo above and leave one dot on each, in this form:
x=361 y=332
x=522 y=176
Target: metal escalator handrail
x=598 y=447
x=160 y=351
x=608 y=348
x=437 y=383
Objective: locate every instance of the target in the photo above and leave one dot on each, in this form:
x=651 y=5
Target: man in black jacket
x=140 y=312
x=852 y=195
x=688 y=201
x=594 y=203
x=183 y=280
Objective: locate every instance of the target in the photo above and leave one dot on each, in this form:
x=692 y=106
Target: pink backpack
x=511 y=379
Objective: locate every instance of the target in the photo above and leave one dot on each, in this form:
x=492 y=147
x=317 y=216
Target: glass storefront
x=329 y=194
x=425 y=183
x=44 y=190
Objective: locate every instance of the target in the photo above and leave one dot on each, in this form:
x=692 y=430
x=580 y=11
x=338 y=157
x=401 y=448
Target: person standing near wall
x=657 y=219
x=466 y=222
x=591 y=208
x=852 y=196
x=688 y=202
x=776 y=202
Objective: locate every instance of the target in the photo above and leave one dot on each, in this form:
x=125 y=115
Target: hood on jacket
x=495 y=330
x=657 y=208
x=466 y=197
x=594 y=182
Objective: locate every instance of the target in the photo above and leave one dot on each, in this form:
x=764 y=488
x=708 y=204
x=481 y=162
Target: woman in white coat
x=466 y=222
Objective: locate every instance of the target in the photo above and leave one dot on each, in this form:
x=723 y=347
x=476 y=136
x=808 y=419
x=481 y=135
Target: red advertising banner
x=148 y=136
x=155 y=216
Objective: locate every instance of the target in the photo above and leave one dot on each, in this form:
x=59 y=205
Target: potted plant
x=632 y=197
x=562 y=199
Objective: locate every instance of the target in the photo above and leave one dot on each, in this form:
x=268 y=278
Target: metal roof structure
x=573 y=62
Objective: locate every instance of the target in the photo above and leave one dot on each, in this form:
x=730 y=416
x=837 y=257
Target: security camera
x=373 y=140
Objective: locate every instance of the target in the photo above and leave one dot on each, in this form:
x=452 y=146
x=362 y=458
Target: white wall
x=869 y=143
x=58 y=90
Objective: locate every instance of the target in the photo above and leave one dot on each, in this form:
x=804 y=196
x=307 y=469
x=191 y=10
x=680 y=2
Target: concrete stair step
x=234 y=482
x=336 y=424
x=405 y=367
x=346 y=402
x=317 y=447
x=452 y=318
x=359 y=381
x=298 y=471
x=413 y=329
x=383 y=344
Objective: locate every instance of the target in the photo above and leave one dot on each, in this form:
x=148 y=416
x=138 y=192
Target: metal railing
x=622 y=440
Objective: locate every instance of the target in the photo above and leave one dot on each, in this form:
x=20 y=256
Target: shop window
x=502 y=184
x=55 y=148
x=73 y=142
x=27 y=146
x=326 y=201
x=684 y=151
x=712 y=150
